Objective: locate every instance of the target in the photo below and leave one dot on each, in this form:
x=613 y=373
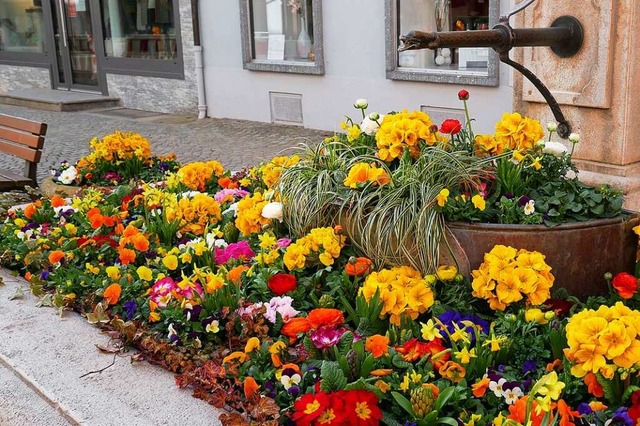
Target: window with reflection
x=21 y=26
x=142 y=29
x=477 y=63
x=282 y=35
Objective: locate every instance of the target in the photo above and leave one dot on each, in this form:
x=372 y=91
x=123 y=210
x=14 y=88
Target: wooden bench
x=22 y=139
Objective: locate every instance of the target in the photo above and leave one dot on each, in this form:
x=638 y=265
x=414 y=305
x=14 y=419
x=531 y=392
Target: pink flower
x=229 y=195
x=326 y=337
x=282 y=306
x=284 y=242
x=240 y=250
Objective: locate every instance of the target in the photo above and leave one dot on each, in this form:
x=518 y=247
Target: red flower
x=634 y=410
x=625 y=284
x=362 y=408
x=463 y=95
x=450 y=126
x=281 y=284
x=358 y=266
x=309 y=407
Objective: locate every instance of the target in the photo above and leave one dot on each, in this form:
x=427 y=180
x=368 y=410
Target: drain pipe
x=202 y=100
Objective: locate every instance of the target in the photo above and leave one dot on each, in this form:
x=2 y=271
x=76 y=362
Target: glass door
x=74 y=41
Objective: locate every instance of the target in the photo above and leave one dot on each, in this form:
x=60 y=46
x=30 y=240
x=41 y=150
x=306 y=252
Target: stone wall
x=162 y=94
x=19 y=77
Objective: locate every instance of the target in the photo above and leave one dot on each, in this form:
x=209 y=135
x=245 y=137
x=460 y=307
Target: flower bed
x=283 y=322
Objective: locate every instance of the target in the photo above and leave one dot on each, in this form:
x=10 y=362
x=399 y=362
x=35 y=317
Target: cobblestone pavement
x=235 y=143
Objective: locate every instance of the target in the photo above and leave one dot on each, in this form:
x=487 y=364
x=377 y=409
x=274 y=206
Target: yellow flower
x=145 y=273
x=465 y=355
x=113 y=272
x=382 y=385
x=478 y=202
x=252 y=344
x=170 y=262
x=430 y=331
x=447 y=272
x=535 y=315
x=442 y=197
x=405 y=383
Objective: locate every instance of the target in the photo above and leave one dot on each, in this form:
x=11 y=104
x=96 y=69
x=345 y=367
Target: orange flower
x=453 y=371
x=480 y=388
x=381 y=372
x=518 y=412
x=30 y=210
x=593 y=386
x=57 y=201
x=140 y=242
x=112 y=294
x=27 y=276
x=295 y=326
x=126 y=255
x=327 y=317
x=234 y=274
x=226 y=182
x=597 y=406
x=378 y=345
x=56 y=256
x=556 y=364
x=435 y=391
x=250 y=387
x=292 y=366
x=358 y=266
x=565 y=413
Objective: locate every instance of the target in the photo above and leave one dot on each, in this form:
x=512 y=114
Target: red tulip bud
x=463 y=95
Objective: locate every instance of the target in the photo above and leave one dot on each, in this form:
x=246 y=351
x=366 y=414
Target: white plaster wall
x=354 y=46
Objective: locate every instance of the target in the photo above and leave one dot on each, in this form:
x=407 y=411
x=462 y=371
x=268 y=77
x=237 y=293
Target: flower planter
x=580 y=253
x=49 y=188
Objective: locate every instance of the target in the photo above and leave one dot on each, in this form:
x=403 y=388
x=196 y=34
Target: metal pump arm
x=564 y=37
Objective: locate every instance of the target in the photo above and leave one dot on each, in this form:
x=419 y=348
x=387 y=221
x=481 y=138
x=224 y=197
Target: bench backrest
x=23 y=139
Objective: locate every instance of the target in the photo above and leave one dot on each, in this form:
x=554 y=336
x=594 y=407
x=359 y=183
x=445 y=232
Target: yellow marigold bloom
x=403 y=130
x=118 y=146
x=249 y=218
x=442 y=197
x=272 y=171
x=196 y=176
x=517 y=132
x=479 y=202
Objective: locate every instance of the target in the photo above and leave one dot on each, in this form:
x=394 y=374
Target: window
x=21 y=26
x=142 y=37
x=475 y=66
x=282 y=35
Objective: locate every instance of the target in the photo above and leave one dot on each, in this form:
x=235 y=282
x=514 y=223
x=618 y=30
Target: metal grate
x=286 y=108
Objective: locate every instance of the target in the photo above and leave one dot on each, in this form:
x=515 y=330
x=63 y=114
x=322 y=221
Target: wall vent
x=286 y=108
x=439 y=114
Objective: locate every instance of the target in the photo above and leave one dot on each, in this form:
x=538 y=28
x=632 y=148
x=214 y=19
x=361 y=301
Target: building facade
x=304 y=62
x=141 y=51
x=300 y=62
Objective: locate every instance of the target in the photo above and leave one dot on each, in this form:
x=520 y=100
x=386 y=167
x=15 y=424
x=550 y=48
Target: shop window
x=282 y=35
x=21 y=26
x=475 y=66
x=142 y=37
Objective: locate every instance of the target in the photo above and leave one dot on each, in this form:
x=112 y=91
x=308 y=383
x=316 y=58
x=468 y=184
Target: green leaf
x=2 y=284
x=47 y=301
x=98 y=315
x=367 y=366
x=444 y=396
x=19 y=294
x=333 y=378
x=403 y=402
x=447 y=421
x=346 y=341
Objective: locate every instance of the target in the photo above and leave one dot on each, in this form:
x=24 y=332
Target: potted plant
x=410 y=191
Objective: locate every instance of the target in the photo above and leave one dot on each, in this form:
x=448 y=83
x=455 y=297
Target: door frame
x=96 y=24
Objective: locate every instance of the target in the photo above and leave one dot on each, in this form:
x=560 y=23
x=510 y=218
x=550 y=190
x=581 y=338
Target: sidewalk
x=235 y=143
x=42 y=357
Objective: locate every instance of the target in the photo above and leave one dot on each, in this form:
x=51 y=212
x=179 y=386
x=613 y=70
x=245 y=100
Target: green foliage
x=333 y=378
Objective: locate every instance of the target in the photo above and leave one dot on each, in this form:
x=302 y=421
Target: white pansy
x=63 y=209
x=361 y=103
x=232 y=208
x=190 y=194
x=68 y=175
x=554 y=148
x=220 y=243
x=574 y=137
x=272 y=211
x=371 y=125
x=529 y=208
x=287 y=381
x=512 y=395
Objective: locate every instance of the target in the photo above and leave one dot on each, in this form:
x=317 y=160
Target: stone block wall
x=162 y=94
x=19 y=77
